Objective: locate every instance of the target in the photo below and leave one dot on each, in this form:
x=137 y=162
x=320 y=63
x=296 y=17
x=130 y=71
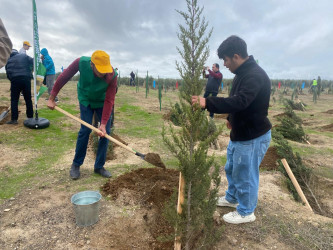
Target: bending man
x=96 y=93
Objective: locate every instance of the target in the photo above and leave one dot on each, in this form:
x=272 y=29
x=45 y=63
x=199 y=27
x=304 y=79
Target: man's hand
x=207 y=68
x=51 y=103
x=200 y=100
x=103 y=130
x=228 y=125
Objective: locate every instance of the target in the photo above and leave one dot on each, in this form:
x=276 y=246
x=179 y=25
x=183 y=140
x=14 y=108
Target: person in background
x=132 y=82
x=5 y=45
x=19 y=73
x=214 y=81
x=26 y=46
x=250 y=136
x=50 y=70
x=96 y=93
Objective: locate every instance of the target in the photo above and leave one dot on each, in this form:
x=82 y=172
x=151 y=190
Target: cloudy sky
x=290 y=38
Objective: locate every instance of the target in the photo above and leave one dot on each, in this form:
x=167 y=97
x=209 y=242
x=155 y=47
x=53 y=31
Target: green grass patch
x=315 y=132
x=139 y=123
x=3 y=98
x=324 y=172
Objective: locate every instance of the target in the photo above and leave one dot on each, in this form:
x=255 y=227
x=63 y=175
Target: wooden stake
x=181 y=191
x=296 y=185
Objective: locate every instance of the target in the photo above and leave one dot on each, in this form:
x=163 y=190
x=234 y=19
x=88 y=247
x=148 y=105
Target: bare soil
x=150 y=189
x=270 y=160
x=41 y=215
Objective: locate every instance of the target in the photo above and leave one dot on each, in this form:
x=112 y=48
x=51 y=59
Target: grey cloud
x=291 y=39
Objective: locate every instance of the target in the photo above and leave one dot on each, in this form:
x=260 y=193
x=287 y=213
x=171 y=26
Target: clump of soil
x=270 y=160
x=281 y=114
x=151 y=188
x=154 y=159
x=221 y=116
x=330 y=111
x=167 y=116
x=327 y=128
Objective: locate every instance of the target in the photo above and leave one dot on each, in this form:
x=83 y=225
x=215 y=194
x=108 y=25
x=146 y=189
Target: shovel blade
x=3 y=114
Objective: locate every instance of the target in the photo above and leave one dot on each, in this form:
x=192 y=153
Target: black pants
x=17 y=85
x=208 y=93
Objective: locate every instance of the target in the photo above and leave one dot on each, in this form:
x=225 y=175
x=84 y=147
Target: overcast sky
x=290 y=38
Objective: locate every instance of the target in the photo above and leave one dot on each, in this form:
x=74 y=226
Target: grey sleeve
x=5 y=45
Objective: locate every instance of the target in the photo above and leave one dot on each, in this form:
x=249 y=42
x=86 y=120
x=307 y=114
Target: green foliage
x=295 y=105
x=291 y=125
x=190 y=143
x=284 y=150
x=176 y=115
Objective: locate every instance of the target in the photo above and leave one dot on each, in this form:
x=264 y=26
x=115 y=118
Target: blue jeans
x=242 y=171
x=83 y=138
x=206 y=94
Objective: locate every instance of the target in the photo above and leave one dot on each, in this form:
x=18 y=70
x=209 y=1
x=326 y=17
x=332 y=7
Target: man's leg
x=83 y=136
x=102 y=147
x=15 y=89
x=229 y=200
x=49 y=83
x=27 y=97
x=230 y=194
x=248 y=156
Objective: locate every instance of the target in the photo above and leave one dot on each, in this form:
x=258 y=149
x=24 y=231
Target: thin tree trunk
x=188 y=226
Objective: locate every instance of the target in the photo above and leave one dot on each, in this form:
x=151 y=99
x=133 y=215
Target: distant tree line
x=170 y=84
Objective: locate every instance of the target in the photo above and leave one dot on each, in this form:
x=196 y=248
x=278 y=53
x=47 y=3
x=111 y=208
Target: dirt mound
x=167 y=116
x=281 y=114
x=149 y=188
x=221 y=116
x=327 y=128
x=270 y=160
x=330 y=111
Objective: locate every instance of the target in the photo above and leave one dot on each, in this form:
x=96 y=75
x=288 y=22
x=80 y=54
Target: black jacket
x=214 y=81
x=247 y=104
x=19 y=65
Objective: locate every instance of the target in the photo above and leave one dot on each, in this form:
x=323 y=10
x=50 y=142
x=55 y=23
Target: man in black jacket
x=19 y=72
x=247 y=106
x=214 y=81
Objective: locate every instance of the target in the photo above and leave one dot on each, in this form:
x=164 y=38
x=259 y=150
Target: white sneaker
x=222 y=202
x=236 y=218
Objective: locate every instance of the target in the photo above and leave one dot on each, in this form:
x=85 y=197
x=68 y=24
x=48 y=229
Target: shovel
x=4 y=113
x=152 y=158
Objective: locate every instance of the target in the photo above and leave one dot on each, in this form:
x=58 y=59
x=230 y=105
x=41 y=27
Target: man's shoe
x=103 y=172
x=12 y=122
x=74 y=172
x=222 y=202
x=236 y=218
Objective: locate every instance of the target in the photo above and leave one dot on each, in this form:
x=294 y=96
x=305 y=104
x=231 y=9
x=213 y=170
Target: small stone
x=88 y=241
x=12 y=198
x=6 y=210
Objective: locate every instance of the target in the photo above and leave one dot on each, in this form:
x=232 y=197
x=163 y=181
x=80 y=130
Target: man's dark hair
x=217 y=65
x=232 y=45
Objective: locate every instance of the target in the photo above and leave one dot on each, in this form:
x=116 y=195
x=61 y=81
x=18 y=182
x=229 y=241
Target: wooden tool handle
x=181 y=193
x=296 y=185
x=95 y=129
